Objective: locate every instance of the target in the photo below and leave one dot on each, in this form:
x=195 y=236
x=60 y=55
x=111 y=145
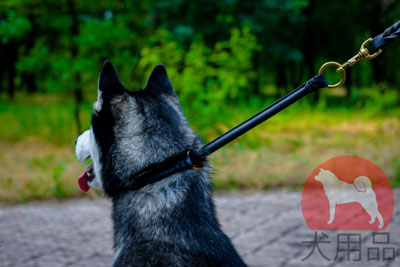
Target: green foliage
x=204 y=77
x=233 y=58
x=226 y=51
x=100 y=39
x=161 y=49
x=13 y=26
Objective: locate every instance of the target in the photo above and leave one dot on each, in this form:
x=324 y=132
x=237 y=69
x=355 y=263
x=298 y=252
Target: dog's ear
x=158 y=82
x=109 y=84
x=321 y=169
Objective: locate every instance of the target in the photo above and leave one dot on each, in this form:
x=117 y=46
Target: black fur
x=191 y=233
x=171 y=222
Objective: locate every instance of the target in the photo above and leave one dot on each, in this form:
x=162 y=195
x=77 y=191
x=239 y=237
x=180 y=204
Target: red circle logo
x=347 y=193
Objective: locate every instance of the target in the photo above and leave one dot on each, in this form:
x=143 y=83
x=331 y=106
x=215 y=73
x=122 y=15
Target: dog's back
x=172 y=224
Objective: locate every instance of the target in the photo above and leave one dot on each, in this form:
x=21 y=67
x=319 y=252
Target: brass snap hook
x=363 y=53
x=339 y=69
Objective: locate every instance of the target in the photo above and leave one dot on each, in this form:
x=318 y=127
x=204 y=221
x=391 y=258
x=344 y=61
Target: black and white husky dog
x=168 y=223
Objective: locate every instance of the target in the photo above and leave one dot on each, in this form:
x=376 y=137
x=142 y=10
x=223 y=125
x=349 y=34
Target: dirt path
x=266 y=228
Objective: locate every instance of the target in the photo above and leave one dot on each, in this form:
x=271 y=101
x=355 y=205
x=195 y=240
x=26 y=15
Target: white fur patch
x=82 y=148
x=97 y=105
x=86 y=147
x=94 y=154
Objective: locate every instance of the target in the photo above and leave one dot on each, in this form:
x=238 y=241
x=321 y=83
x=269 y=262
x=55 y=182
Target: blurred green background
x=227 y=60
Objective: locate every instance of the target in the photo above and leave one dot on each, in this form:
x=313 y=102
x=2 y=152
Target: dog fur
x=340 y=192
x=171 y=222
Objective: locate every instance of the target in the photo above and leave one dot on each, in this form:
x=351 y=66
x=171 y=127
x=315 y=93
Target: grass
x=289 y=152
x=37 y=137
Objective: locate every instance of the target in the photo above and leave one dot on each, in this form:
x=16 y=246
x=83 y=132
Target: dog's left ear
x=109 y=84
x=158 y=82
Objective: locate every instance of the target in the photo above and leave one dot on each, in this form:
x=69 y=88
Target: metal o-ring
x=338 y=65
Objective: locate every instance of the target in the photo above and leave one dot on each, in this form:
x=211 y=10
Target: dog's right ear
x=109 y=84
x=158 y=82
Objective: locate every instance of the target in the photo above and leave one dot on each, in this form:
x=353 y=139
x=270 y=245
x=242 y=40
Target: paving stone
x=266 y=228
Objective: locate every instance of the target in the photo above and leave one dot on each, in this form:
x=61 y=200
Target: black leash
x=196 y=158
x=386 y=37
x=310 y=86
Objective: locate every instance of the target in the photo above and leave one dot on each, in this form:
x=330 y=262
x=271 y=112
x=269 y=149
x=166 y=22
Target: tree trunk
x=349 y=82
x=281 y=79
x=308 y=44
x=2 y=58
x=77 y=91
x=376 y=28
x=11 y=60
x=30 y=78
x=256 y=82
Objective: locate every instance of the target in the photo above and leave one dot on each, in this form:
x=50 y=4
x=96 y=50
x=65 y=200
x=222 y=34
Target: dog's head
x=131 y=130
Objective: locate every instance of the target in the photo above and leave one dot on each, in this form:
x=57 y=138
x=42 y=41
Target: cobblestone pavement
x=266 y=228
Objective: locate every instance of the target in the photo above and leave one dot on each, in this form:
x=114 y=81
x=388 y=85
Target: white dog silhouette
x=340 y=192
